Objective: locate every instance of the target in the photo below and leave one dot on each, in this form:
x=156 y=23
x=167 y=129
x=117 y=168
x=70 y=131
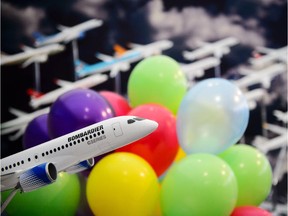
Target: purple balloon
x=36 y=132
x=76 y=109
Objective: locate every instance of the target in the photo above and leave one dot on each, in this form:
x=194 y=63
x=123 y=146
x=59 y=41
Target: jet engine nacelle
x=81 y=166
x=38 y=177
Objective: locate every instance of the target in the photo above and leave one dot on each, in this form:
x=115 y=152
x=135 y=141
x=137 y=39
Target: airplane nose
x=153 y=125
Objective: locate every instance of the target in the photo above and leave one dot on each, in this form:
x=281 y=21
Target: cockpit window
x=130 y=121
x=138 y=119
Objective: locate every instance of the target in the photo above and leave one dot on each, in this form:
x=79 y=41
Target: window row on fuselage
x=51 y=151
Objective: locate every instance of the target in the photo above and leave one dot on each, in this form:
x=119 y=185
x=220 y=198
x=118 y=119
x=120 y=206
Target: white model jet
x=20 y=123
x=31 y=55
x=263 y=76
x=254 y=96
x=51 y=96
x=270 y=56
x=218 y=49
x=281 y=116
x=68 y=34
x=196 y=69
x=39 y=166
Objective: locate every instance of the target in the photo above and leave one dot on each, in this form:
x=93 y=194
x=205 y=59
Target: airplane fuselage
x=75 y=147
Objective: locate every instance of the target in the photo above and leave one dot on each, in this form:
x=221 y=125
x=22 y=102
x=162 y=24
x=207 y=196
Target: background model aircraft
x=218 y=49
x=254 y=96
x=67 y=34
x=39 y=166
x=20 y=123
x=263 y=76
x=269 y=56
x=196 y=69
x=31 y=55
x=281 y=116
x=121 y=62
x=51 y=96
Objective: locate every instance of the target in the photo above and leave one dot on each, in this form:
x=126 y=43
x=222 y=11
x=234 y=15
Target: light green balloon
x=253 y=173
x=59 y=198
x=157 y=79
x=200 y=185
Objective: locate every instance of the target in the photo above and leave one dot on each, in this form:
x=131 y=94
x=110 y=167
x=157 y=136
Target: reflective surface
x=199 y=184
x=253 y=172
x=122 y=184
x=212 y=116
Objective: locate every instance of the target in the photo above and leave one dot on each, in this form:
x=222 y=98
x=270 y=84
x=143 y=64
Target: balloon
x=77 y=109
x=157 y=79
x=159 y=148
x=180 y=155
x=253 y=173
x=122 y=184
x=59 y=198
x=119 y=104
x=36 y=132
x=199 y=184
x=250 y=211
x=212 y=116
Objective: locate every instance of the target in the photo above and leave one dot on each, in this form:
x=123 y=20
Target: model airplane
x=196 y=69
x=39 y=166
x=20 y=123
x=254 y=96
x=218 y=49
x=270 y=56
x=68 y=34
x=88 y=82
x=122 y=62
x=281 y=116
x=263 y=76
x=31 y=55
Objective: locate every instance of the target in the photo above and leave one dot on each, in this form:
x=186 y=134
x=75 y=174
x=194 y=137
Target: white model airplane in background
x=20 y=123
x=66 y=86
x=263 y=76
x=196 y=69
x=217 y=49
x=281 y=116
x=31 y=55
x=39 y=166
x=270 y=56
x=68 y=34
x=254 y=96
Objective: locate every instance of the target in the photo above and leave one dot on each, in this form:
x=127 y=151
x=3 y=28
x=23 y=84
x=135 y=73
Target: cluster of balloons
x=71 y=111
x=190 y=165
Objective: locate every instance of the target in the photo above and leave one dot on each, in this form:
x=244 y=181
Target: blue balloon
x=212 y=116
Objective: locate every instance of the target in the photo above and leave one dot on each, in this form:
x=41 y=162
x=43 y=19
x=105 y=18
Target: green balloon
x=157 y=79
x=59 y=198
x=253 y=173
x=201 y=185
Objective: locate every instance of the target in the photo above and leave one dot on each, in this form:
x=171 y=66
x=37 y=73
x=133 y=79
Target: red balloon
x=250 y=211
x=159 y=148
x=119 y=104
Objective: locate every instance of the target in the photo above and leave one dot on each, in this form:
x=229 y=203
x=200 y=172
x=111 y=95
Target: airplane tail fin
x=34 y=94
x=119 y=50
x=39 y=38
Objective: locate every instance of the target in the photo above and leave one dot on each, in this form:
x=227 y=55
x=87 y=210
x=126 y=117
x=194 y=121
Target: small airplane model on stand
x=50 y=97
x=68 y=34
x=217 y=49
x=197 y=68
x=116 y=64
x=32 y=55
x=39 y=166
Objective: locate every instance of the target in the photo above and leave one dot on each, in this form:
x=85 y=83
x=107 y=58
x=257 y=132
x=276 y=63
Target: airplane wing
x=63 y=83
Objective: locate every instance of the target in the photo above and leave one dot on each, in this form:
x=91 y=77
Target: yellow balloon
x=180 y=154
x=122 y=184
